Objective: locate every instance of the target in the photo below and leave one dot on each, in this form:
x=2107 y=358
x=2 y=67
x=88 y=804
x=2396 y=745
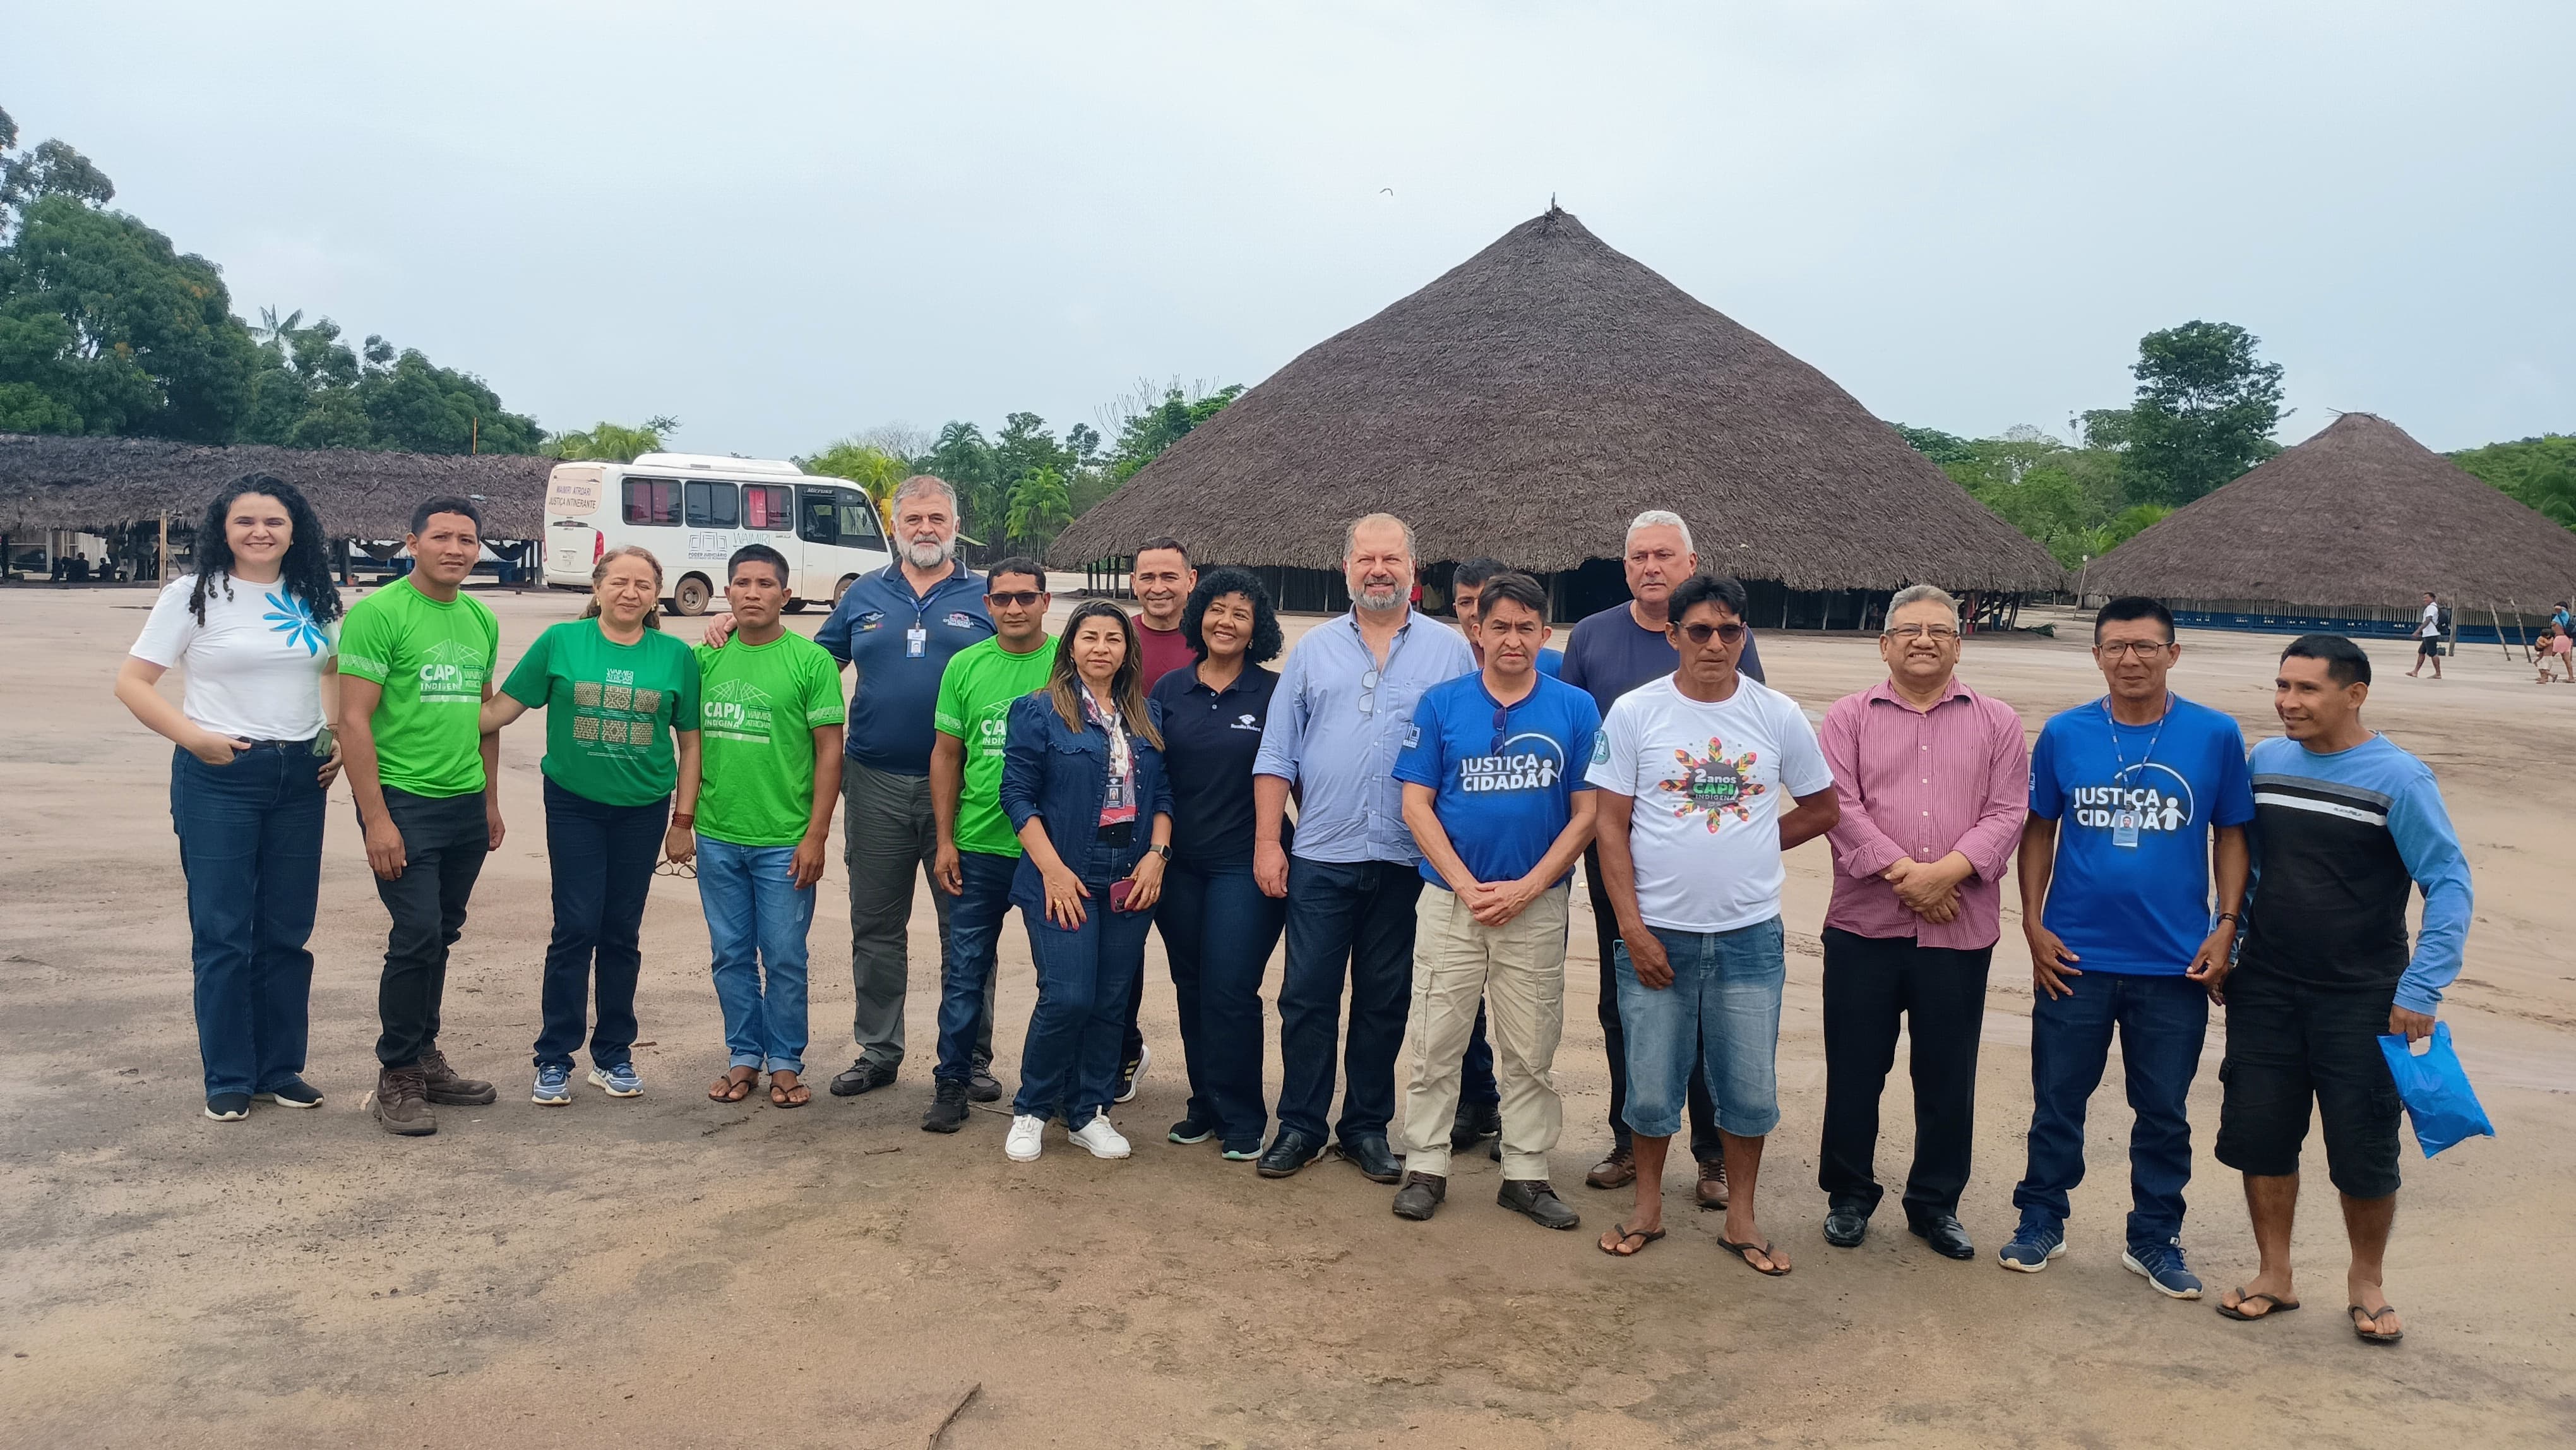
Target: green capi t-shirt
x=610 y=709
x=758 y=705
x=432 y=660
x=975 y=695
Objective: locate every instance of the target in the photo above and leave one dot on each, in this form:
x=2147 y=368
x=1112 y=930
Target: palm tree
x=277 y=334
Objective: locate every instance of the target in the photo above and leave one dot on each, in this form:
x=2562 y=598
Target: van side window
x=712 y=505
x=652 y=500
x=820 y=522
x=859 y=520
x=768 y=506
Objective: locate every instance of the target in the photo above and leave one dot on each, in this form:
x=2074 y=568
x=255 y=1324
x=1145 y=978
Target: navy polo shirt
x=893 y=691
x=1505 y=791
x=1209 y=741
x=1609 y=653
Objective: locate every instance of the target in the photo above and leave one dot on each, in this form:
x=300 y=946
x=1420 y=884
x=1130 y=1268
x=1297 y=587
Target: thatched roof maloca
x=1530 y=402
x=88 y=483
x=2361 y=516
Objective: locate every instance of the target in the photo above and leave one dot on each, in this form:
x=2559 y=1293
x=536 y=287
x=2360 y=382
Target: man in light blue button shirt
x=1339 y=718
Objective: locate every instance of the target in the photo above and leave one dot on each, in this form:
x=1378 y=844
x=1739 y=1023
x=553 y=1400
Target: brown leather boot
x=1712 y=1185
x=1420 y=1196
x=440 y=1082
x=1615 y=1171
x=400 y=1104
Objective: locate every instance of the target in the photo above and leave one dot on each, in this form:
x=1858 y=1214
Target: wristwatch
x=1163 y=851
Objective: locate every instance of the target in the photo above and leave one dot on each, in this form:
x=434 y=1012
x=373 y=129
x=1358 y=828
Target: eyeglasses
x=1729 y=633
x=1938 y=633
x=1368 y=693
x=684 y=870
x=1017 y=598
x=2145 y=649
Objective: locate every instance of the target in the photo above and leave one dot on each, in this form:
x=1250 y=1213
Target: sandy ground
x=674 y=1272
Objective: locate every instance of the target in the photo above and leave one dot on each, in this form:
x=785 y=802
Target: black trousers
x=444 y=843
x=1704 y=1144
x=1872 y=984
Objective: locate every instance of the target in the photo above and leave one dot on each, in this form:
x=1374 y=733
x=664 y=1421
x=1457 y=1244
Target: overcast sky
x=787 y=223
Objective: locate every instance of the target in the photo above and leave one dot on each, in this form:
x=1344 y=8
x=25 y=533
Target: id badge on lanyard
x=2124 y=829
x=916 y=642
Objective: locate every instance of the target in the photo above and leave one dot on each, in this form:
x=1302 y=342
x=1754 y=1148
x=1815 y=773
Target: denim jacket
x=1061 y=775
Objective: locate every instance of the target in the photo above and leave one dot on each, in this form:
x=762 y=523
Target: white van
x=693 y=510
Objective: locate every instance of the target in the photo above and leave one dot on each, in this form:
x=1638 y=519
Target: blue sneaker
x=2162 y=1265
x=554 y=1086
x=2037 y=1241
x=619 y=1081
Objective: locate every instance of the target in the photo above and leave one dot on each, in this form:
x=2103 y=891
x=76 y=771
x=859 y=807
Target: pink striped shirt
x=1924 y=783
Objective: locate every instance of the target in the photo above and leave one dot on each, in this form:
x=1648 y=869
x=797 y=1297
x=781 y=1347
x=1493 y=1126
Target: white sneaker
x=1100 y=1138
x=1021 y=1146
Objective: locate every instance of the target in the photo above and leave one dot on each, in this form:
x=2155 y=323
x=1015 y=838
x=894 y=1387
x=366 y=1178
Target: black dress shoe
x=1375 y=1160
x=1482 y=1120
x=1845 y=1226
x=1536 y=1197
x=1943 y=1232
x=1420 y=1196
x=981 y=1085
x=862 y=1076
x=1288 y=1152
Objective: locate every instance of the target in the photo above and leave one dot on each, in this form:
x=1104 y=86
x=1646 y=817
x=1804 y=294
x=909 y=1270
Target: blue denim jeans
x=601 y=859
x=1070 y=1060
x=756 y=925
x=1351 y=919
x=1218 y=930
x=966 y=969
x=1722 y=1008
x=2162 y=1021
x=250 y=843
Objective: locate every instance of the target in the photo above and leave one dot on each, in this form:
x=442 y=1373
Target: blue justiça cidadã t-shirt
x=2134 y=805
x=1505 y=789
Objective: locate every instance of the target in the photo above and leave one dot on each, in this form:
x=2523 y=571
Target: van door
x=818 y=523
x=769 y=517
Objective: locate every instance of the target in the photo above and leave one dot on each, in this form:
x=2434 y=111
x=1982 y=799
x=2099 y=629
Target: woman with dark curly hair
x=253 y=764
x=1218 y=928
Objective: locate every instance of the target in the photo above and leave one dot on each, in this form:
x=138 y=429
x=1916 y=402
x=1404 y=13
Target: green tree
x=2204 y=414
x=964 y=457
x=51 y=168
x=1942 y=448
x=1040 y=506
x=2539 y=471
x=606 y=442
x=1150 y=424
x=865 y=464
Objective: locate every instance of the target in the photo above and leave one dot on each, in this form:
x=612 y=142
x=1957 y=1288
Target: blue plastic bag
x=2435 y=1089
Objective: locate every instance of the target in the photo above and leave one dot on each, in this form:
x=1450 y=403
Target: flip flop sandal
x=789 y=1097
x=731 y=1089
x=1643 y=1237
x=2361 y=1316
x=2237 y=1310
x=1746 y=1252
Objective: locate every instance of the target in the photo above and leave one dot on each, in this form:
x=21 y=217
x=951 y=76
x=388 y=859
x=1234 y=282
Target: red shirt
x=1924 y=783
x=1164 y=651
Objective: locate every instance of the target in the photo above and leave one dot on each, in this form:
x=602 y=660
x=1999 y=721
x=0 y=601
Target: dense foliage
x=2539 y=471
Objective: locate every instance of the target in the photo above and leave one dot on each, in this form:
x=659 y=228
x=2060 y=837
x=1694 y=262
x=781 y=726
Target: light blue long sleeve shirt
x=1337 y=723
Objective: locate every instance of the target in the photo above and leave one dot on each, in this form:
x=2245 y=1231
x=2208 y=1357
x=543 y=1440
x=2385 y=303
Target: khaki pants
x=1518 y=972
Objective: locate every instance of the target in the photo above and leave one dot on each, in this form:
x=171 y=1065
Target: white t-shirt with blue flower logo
x=254 y=668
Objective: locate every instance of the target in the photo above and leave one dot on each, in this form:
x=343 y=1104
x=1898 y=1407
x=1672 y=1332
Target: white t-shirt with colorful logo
x=254 y=668
x=1709 y=782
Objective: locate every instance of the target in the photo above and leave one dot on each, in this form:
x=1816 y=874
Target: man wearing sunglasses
x=2134 y=797
x=1493 y=790
x=1932 y=776
x=1338 y=718
x=978 y=852
x=1707 y=780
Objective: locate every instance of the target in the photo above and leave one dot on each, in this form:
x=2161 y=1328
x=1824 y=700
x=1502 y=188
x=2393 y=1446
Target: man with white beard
x=899 y=627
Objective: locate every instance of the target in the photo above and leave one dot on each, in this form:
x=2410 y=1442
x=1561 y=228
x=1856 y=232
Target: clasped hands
x=1929 y=889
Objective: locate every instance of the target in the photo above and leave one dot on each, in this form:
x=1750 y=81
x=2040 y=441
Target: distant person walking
x=250 y=776
x=2348 y=827
x=416 y=661
x=2560 y=649
x=1934 y=782
x=1345 y=709
x=1707 y=780
x=979 y=853
x=1608 y=654
x=2428 y=637
x=1218 y=926
x=770 y=713
x=1082 y=780
x=617 y=691
x=2136 y=800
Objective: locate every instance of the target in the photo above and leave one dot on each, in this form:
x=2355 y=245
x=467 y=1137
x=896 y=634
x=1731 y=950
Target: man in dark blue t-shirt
x=1495 y=796
x=2131 y=796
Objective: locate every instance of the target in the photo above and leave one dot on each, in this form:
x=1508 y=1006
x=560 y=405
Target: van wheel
x=690 y=596
x=842 y=588
x=793 y=606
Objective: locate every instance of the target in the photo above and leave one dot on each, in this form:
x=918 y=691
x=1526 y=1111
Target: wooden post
x=163 y=577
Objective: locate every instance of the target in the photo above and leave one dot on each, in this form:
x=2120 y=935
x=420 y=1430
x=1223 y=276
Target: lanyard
x=2147 y=759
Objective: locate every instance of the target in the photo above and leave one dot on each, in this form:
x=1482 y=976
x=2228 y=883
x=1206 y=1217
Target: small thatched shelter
x=2344 y=533
x=1530 y=402
x=98 y=484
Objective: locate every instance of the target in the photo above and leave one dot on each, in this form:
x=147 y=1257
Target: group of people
x=1134 y=774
